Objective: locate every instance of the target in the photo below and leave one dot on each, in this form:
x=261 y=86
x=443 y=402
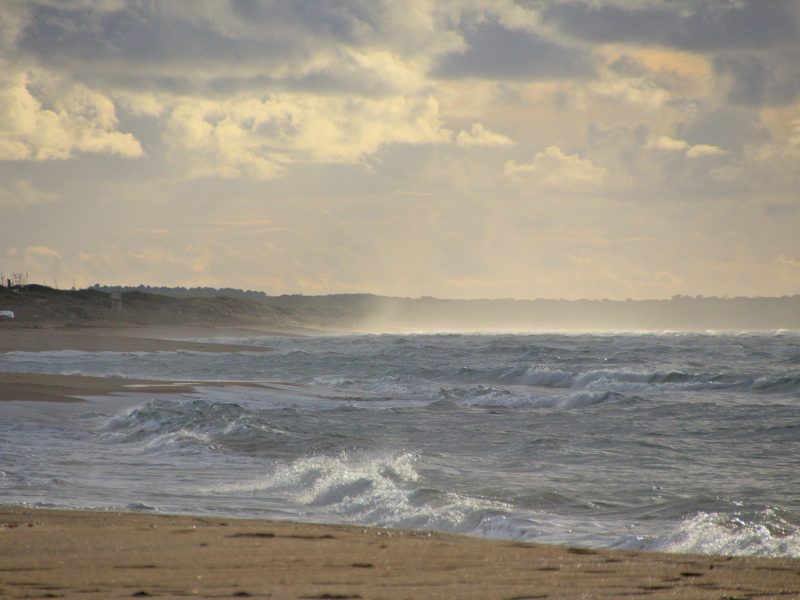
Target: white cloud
x=195 y=259
x=794 y=140
x=699 y=150
x=259 y=138
x=669 y=144
x=42 y=252
x=553 y=168
x=75 y=119
x=478 y=135
x=636 y=91
x=664 y=142
x=43 y=263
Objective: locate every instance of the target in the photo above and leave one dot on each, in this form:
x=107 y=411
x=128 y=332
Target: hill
x=366 y=312
x=35 y=304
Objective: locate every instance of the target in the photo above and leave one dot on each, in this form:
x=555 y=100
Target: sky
x=459 y=149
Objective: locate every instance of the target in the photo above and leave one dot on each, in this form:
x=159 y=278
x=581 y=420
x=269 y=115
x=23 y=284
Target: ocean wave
x=505 y=525
x=380 y=490
x=168 y=424
x=764 y=533
x=639 y=381
x=498 y=397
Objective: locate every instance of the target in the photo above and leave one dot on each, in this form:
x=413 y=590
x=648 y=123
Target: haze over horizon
x=456 y=149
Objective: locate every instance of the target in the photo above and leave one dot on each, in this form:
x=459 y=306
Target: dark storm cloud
x=758 y=81
x=701 y=25
x=495 y=52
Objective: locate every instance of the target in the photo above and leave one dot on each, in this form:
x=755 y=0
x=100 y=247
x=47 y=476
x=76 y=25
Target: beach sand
x=121 y=339
x=34 y=386
x=71 y=388
x=78 y=554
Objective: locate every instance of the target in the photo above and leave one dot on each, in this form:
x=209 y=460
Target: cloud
x=42 y=252
x=795 y=138
x=553 y=168
x=669 y=144
x=757 y=80
x=13 y=19
x=650 y=79
x=645 y=166
x=730 y=129
x=638 y=91
x=753 y=45
x=194 y=259
x=495 y=52
x=43 y=263
x=665 y=142
x=212 y=47
x=21 y=192
x=226 y=89
x=699 y=150
x=57 y=120
x=478 y=135
x=701 y=25
x=260 y=138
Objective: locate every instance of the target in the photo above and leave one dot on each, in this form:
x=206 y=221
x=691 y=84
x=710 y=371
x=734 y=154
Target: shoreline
x=92 y=554
x=86 y=554
x=125 y=339
x=38 y=387
x=23 y=386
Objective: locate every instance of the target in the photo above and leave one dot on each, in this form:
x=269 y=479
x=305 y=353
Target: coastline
x=17 y=386
x=123 y=339
x=84 y=554
x=72 y=388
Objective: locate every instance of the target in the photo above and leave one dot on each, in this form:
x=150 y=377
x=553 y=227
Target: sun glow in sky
x=462 y=149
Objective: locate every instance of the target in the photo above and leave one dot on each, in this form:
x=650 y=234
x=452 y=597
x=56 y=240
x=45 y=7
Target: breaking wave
x=616 y=441
x=765 y=533
x=379 y=490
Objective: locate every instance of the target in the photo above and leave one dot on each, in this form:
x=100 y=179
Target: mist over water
x=675 y=442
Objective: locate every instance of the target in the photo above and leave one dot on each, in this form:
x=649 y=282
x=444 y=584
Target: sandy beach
x=71 y=388
x=42 y=387
x=78 y=554
x=120 y=339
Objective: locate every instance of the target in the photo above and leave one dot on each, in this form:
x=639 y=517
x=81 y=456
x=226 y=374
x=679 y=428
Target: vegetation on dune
x=180 y=306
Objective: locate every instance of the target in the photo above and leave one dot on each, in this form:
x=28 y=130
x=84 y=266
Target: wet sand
x=61 y=388
x=71 y=388
x=78 y=554
x=121 y=339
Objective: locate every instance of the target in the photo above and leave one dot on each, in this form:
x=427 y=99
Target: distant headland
x=36 y=304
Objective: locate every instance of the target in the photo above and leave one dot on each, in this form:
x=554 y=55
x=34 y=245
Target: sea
x=675 y=442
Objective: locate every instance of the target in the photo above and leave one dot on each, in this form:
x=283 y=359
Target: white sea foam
x=539 y=376
x=768 y=534
x=607 y=440
x=494 y=397
x=380 y=490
